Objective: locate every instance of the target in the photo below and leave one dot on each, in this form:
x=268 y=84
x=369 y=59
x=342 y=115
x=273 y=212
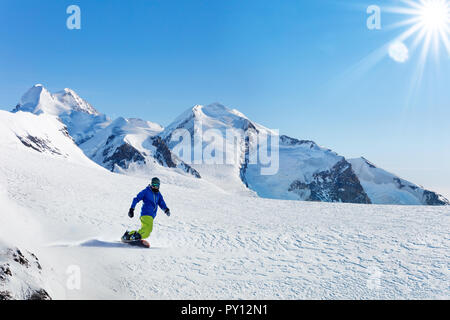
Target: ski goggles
x=155 y=185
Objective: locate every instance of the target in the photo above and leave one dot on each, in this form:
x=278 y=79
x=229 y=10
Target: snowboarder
x=152 y=199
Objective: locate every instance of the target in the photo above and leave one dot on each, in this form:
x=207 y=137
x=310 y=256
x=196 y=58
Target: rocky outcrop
x=163 y=154
x=166 y=158
x=38 y=144
x=20 y=276
x=339 y=184
x=5 y=295
x=433 y=199
x=250 y=133
x=296 y=142
x=123 y=156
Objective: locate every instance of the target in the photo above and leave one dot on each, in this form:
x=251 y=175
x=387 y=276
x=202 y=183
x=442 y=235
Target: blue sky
x=298 y=66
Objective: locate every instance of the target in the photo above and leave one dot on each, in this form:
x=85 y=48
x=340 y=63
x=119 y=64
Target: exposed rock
x=40 y=294
x=165 y=157
x=188 y=169
x=65 y=132
x=248 y=125
x=434 y=199
x=5 y=295
x=17 y=256
x=295 y=142
x=36 y=260
x=340 y=184
x=370 y=164
x=106 y=151
x=5 y=271
x=40 y=145
x=399 y=183
x=250 y=130
x=123 y=156
x=244 y=165
x=21 y=276
x=110 y=139
x=163 y=153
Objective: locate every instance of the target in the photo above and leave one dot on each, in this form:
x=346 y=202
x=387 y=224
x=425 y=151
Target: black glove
x=131 y=213
x=167 y=211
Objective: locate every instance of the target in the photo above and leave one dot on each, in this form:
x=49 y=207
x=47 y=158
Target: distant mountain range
x=64 y=124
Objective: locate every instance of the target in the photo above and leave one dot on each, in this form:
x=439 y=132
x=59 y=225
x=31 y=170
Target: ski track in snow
x=224 y=245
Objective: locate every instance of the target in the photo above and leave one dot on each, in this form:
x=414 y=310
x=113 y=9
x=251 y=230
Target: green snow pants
x=146 y=227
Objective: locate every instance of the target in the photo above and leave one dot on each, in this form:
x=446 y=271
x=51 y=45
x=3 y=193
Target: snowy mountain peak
x=216 y=106
x=74 y=101
x=216 y=110
x=81 y=119
x=35 y=100
x=197 y=108
x=212 y=116
x=39 y=100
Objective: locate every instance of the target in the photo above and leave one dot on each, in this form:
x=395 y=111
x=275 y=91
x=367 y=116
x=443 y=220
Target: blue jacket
x=151 y=202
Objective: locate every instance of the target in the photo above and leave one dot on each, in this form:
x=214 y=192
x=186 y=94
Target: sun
x=428 y=23
x=434 y=15
x=420 y=36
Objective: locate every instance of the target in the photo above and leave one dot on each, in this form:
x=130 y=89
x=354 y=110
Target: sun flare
x=427 y=26
x=434 y=15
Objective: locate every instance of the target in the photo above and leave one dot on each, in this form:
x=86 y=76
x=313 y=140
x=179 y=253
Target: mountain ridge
x=306 y=171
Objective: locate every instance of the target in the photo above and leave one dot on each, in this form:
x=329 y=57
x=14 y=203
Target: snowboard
x=138 y=243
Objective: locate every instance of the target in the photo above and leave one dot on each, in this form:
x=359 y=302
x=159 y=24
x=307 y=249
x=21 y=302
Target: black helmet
x=155 y=183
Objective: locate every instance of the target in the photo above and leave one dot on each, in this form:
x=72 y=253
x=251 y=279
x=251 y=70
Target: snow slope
x=22 y=276
x=42 y=133
x=217 y=243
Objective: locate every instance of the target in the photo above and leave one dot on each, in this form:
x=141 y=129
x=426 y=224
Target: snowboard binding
x=134 y=239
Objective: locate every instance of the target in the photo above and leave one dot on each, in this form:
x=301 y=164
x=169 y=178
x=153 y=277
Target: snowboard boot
x=136 y=236
x=126 y=236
